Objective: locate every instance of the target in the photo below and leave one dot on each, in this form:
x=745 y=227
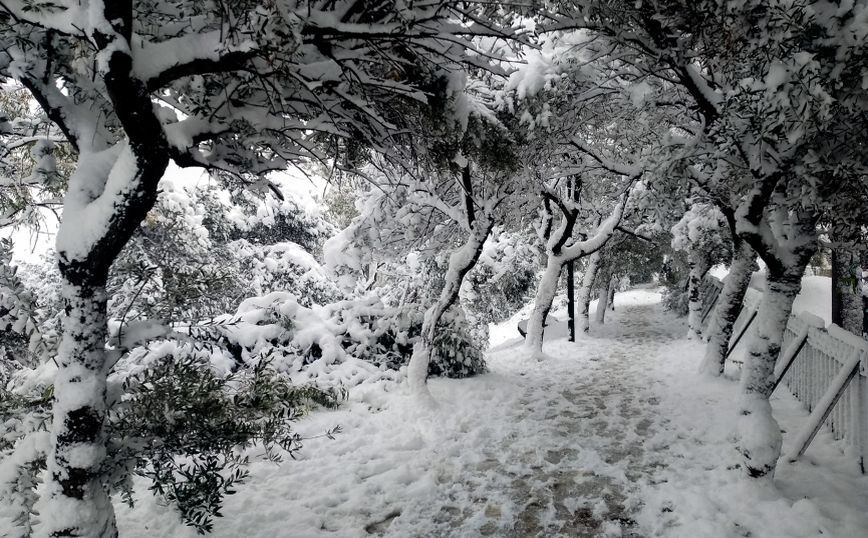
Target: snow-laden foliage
x=345 y=343
x=196 y=257
x=702 y=236
x=179 y=421
x=503 y=278
x=21 y=341
x=240 y=89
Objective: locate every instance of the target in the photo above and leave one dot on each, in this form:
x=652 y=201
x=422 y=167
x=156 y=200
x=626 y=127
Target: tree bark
x=460 y=263
x=602 y=297
x=694 y=282
x=610 y=296
x=545 y=295
x=571 y=299
x=79 y=504
x=846 y=300
x=559 y=252
x=786 y=239
x=759 y=434
x=584 y=299
x=729 y=305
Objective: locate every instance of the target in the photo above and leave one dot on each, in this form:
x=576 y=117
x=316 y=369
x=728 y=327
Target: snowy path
x=614 y=435
x=600 y=413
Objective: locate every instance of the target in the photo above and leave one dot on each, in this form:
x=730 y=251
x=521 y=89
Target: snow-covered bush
x=284 y=266
x=702 y=234
x=701 y=230
x=348 y=342
x=184 y=427
x=182 y=422
x=673 y=277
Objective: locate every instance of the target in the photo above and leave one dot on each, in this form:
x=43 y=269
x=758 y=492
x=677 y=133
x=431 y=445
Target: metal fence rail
x=815 y=370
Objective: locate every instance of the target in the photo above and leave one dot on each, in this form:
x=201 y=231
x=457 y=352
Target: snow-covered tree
x=590 y=134
x=701 y=233
x=451 y=202
x=237 y=88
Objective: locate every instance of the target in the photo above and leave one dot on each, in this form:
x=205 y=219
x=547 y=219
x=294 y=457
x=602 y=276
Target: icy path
x=614 y=435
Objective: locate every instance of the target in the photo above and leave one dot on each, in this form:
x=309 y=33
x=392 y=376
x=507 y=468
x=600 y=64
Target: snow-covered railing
x=824 y=368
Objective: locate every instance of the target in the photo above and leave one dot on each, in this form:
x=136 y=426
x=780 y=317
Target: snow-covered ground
x=614 y=435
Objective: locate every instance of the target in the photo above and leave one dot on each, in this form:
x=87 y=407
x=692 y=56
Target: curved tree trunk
x=729 y=305
x=75 y=502
x=460 y=263
x=545 y=295
x=759 y=434
x=584 y=299
x=786 y=240
x=559 y=253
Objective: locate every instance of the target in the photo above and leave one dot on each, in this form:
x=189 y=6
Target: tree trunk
x=602 y=298
x=545 y=295
x=610 y=296
x=74 y=501
x=786 y=240
x=460 y=263
x=863 y=290
x=694 y=283
x=729 y=305
x=571 y=299
x=759 y=434
x=846 y=300
x=584 y=299
x=79 y=504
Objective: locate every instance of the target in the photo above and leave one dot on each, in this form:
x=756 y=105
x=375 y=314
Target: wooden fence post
x=858 y=402
x=743 y=330
x=789 y=356
x=710 y=306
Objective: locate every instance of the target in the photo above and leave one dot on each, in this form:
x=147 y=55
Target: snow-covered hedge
x=347 y=342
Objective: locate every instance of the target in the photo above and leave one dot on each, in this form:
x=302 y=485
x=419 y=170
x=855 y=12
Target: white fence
x=824 y=368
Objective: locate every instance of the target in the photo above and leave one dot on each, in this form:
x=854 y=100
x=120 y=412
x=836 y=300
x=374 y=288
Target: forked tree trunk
x=584 y=299
x=698 y=268
x=542 y=304
x=786 y=240
x=558 y=254
x=602 y=298
x=460 y=263
x=80 y=505
x=729 y=305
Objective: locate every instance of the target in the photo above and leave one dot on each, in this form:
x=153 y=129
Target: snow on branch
x=602 y=234
x=632 y=171
x=64 y=16
x=161 y=63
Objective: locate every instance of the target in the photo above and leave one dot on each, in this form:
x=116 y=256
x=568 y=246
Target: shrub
x=180 y=423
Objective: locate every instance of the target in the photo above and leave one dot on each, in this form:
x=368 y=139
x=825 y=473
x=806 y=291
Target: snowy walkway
x=614 y=435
